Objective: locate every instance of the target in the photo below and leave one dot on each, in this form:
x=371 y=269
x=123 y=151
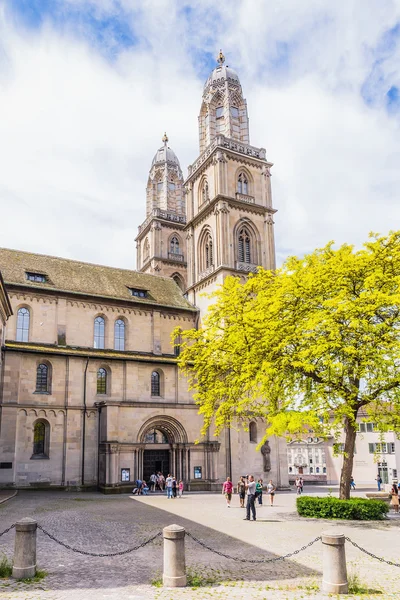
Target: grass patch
x=196 y=577
x=40 y=574
x=357 y=587
x=5 y=566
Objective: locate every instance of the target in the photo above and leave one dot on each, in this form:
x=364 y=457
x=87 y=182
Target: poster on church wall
x=197 y=473
x=125 y=474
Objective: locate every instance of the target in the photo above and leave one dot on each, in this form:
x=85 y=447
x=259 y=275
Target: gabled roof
x=75 y=277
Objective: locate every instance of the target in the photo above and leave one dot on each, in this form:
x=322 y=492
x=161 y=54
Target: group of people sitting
x=157 y=481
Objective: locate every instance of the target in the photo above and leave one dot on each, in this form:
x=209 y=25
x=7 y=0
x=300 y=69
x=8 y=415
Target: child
x=180 y=488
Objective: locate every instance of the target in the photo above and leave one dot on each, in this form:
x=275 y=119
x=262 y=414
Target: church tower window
x=244 y=249
x=174 y=246
x=219 y=112
x=155 y=384
x=208 y=251
x=242 y=184
x=42 y=379
x=204 y=192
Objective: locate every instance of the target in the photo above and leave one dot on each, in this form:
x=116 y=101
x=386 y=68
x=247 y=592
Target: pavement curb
x=2 y=500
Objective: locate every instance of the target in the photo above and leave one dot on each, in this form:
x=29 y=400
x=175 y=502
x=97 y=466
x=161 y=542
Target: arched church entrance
x=165 y=448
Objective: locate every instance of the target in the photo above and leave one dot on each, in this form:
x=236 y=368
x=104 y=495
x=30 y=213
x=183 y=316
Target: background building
x=92 y=394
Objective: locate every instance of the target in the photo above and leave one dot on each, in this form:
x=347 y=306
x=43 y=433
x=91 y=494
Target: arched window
x=311 y=470
x=102 y=381
x=317 y=469
x=174 y=245
x=205 y=192
x=208 y=248
x=146 y=250
x=41 y=439
x=244 y=251
x=23 y=319
x=155 y=384
x=99 y=331
x=253 y=432
x=324 y=469
x=242 y=184
x=119 y=334
x=43 y=379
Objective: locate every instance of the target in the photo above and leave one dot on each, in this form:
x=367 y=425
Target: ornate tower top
x=165 y=139
x=164 y=186
x=223 y=110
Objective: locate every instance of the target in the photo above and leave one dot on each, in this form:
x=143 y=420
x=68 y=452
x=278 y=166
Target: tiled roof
x=71 y=276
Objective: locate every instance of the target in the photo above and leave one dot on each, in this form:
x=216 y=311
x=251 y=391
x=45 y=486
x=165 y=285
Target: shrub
x=356 y=509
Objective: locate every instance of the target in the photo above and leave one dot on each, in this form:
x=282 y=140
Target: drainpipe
x=84 y=422
x=98 y=443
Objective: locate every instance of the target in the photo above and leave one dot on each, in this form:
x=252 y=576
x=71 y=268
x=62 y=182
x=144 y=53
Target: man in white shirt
x=251 y=496
x=168 y=485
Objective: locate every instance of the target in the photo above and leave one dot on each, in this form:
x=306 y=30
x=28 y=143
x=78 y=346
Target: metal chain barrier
x=388 y=562
x=101 y=554
x=253 y=561
x=7 y=530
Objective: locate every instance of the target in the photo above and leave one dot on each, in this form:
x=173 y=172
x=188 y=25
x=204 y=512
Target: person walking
x=161 y=481
x=301 y=484
x=241 y=490
x=297 y=483
x=379 y=482
x=395 y=498
x=259 y=491
x=180 y=488
x=352 y=483
x=153 y=482
x=271 y=491
x=251 y=496
x=168 y=486
x=174 y=486
x=227 y=489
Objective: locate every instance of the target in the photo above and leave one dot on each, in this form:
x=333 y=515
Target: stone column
x=334 y=579
x=174 y=574
x=25 y=549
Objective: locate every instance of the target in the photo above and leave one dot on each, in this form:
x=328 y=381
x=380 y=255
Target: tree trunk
x=348 y=457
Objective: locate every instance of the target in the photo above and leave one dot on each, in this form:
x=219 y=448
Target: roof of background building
x=75 y=277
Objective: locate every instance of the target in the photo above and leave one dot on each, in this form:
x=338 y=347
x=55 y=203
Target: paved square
x=106 y=524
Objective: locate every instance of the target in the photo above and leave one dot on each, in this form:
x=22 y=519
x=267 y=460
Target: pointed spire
x=165 y=139
x=221 y=58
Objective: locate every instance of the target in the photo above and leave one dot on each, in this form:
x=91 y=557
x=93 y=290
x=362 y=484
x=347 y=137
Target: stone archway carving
x=172 y=429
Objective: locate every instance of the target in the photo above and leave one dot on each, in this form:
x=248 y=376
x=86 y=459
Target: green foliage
x=40 y=574
x=195 y=578
x=356 y=587
x=304 y=347
x=5 y=566
x=355 y=509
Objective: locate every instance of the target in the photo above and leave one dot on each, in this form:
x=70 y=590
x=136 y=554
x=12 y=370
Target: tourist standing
x=395 y=498
x=301 y=484
x=271 y=491
x=379 y=482
x=227 y=490
x=259 y=491
x=241 y=490
x=174 y=486
x=297 y=483
x=153 y=482
x=251 y=496
x=168 y=485
x=352 y=483
x=161 y=481
x=180 y=488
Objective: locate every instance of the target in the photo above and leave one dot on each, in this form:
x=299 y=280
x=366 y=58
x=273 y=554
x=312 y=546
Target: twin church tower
x=219 y=221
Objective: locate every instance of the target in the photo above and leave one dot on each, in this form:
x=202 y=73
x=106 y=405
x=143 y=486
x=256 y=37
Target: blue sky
x=88 y=87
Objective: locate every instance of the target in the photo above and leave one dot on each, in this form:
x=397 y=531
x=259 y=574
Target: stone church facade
x=90 y=392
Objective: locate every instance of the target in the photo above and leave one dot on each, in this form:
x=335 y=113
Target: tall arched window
x=41 y=439
x=155 y=384
x=204 y=192
x=102 y=381
x=119 y=334
x=174 y=245
x=253 y=432
x=43 y=379
x=99 y=332
x=242 y=184
x=244 y=251
x=208 y=248
x=23 y=318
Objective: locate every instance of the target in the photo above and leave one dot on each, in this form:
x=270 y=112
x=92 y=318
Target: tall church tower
x=161 y=243
x=230 y=223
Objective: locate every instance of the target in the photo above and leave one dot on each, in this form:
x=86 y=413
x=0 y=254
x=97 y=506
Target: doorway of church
x=155 y=461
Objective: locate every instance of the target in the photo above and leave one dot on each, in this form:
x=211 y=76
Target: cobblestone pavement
x=111 y=523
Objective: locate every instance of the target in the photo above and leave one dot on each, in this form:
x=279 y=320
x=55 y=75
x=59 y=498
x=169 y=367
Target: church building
x=90 y=392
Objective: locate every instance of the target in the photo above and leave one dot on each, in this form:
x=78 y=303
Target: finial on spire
x=165 y=139
x=221 y=58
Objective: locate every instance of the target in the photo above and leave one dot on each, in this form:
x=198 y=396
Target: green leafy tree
x=314 y=344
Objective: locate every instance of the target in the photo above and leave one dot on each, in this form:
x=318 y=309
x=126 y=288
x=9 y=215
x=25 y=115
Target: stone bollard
x=24 y=565
x=174 y=556
x=334 y=571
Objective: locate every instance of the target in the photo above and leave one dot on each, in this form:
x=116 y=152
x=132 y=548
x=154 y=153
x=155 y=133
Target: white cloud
x=78 y=131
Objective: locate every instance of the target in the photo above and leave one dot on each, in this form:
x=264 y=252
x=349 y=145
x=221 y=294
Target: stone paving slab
x=102 y=523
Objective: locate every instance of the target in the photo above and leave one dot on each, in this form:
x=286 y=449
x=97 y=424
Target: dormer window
x=138 y=293
x=37 y=277
x=219 y=112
